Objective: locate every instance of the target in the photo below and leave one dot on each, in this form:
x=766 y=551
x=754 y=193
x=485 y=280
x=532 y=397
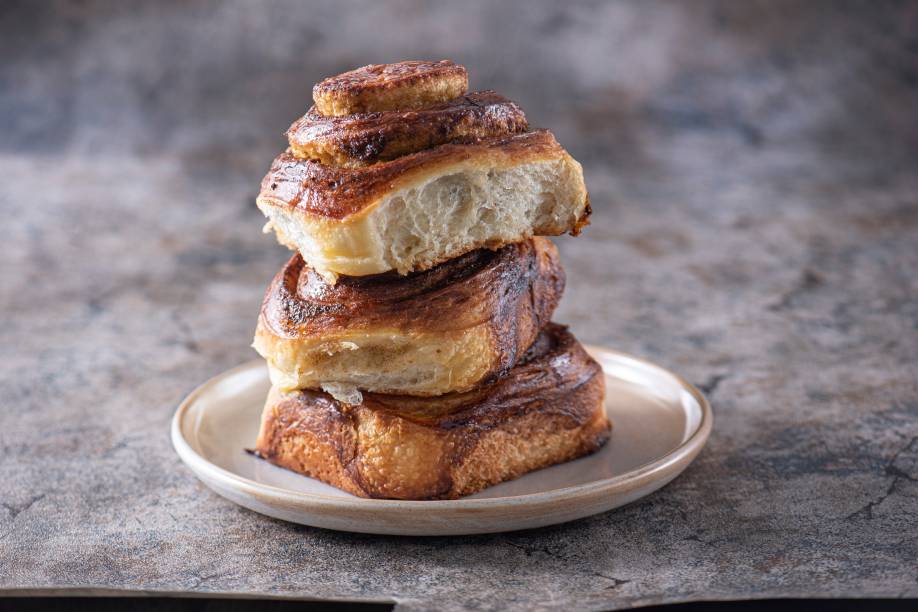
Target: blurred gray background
x=753 y=168
x=211 y=80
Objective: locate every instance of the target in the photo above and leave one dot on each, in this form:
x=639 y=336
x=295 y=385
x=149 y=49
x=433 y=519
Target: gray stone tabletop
x=754 y=174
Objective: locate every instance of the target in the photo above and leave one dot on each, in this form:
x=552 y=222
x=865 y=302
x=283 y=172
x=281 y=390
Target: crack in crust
x=386 y=87
x=359 y=140
x=548 y=409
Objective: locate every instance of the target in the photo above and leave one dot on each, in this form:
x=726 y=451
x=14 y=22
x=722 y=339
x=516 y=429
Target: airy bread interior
x=422 y=364
x=450 y=212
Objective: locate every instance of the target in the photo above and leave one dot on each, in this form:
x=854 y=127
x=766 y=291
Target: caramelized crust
x=387 y=87
x=546 y=410
x=359 y=140
x=454 y=326
x=311 y=187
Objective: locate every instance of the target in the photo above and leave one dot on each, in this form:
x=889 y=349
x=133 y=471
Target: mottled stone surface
x=753 y=171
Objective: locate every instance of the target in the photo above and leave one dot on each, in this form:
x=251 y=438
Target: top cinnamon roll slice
x=383 y=87
x=414 y=212
x=366 y=138
x=451 y=174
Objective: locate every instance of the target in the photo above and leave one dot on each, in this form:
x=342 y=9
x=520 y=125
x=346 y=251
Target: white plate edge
x=686 y=451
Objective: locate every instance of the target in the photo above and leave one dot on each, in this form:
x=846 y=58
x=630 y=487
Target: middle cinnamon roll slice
x=447 y=329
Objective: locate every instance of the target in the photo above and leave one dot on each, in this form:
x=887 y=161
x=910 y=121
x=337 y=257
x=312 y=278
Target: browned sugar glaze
x=480 y=286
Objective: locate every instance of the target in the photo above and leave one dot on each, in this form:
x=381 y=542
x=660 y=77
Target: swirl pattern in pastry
x=448 y=329
x=362 y=139
x=546 y=410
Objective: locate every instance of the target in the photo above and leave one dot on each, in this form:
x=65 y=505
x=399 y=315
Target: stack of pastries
x=409 y=340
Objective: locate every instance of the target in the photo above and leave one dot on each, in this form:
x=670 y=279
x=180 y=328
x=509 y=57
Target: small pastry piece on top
x=390 y=87
x=546 y=410
x=448 y=329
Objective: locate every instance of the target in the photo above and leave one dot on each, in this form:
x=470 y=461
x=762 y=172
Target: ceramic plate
x=661 y=422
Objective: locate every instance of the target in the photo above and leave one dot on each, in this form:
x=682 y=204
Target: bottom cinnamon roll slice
x=548 y=409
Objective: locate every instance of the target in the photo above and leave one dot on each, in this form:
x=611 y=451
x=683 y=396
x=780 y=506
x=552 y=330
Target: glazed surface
x=473 y=288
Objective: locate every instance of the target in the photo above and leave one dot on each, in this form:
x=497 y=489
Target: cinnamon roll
x=546 y=410
x=458 y=325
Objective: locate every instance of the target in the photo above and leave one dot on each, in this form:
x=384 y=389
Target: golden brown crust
x=336 y=192
x=385 y=87
x=359 y=140
x=481 y=284
x=546 y=410
x=504 y=296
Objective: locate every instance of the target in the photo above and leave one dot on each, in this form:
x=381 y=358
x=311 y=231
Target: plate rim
x=202 y=467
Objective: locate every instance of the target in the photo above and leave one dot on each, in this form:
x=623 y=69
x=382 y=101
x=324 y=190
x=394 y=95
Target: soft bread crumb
x=454 y=199
x=343 y=392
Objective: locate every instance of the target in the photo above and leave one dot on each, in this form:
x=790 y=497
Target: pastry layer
x=359 y=140
x=546 y=410
x=419 y=210
x=382 y=87
x=447 y=329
